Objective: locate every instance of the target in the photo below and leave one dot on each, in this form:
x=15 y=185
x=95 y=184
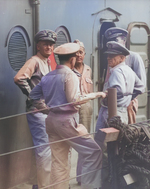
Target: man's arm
x=36 y=94
x=24 y=75
x=139 y=87
x=73 y=92
x=138 y=67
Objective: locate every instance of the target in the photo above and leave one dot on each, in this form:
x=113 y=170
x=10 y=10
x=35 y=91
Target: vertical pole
x=112 y=146
x=112 y=102
x=36 y=18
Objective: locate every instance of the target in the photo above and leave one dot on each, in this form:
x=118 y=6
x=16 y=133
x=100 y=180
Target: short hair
x=66 y=57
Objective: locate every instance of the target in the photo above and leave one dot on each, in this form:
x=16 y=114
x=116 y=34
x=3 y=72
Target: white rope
x=35 y=111
x=78 y=102
x=45 y=187
x=30 y=148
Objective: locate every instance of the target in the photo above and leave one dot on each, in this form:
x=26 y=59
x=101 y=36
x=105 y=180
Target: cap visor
x=112 y=52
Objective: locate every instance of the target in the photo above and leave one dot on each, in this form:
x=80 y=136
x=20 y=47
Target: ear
x=122 y=57
x=71 y=59
x=72 y=62
x=38 y=46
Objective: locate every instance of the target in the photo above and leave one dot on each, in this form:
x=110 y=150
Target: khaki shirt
x=86 y=84
x=30 y=75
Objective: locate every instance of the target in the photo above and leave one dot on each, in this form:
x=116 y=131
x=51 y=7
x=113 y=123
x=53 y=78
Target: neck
x=66 y=64
x=79 y=67
x=38 y=53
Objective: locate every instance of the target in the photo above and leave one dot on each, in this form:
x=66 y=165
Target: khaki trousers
x=85 y=115
x=63 y=126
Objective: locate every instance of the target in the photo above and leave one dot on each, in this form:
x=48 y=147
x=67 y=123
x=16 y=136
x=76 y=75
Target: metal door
x=16 y=47
x=138 y=42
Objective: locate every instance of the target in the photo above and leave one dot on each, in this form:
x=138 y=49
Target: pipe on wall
x=36 y=19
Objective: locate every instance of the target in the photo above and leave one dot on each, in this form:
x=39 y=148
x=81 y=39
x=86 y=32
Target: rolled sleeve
x=24 y=75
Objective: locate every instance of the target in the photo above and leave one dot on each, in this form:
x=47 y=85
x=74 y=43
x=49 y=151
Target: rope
x=71 y=103
x=134 y=153
x=115 y=126
x=39 y=110
x=72 y=178
x=30 y=148
x=127 y=138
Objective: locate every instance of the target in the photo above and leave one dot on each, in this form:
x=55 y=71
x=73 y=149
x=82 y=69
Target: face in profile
x=114 y=59
x=45 y=48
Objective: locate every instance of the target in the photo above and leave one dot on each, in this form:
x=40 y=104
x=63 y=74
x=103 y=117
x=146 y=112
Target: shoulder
x=134 y=55
x=86 y=67
x=87 y=71
x=31 y=60
x=35 y=58
x=116 y=72
x=71 y=73
x=127 y=70
x=71 y=76
x=122 y=70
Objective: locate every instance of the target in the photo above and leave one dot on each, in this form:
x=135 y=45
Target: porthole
x=63 y=36
x=17 y=44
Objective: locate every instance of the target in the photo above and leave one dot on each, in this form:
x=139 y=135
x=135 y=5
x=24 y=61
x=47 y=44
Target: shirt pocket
x=88 y=80
x=89 y=84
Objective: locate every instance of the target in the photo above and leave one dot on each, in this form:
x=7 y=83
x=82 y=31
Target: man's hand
x=101 y=94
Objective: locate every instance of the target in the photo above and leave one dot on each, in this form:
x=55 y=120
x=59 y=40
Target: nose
x=48 y=45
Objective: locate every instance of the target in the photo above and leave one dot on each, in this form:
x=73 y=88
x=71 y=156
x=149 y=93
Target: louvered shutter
x=17 y=51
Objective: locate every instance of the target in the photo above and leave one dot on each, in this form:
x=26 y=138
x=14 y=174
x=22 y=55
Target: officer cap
x=115 y=32
x=79 y=42
x=67 y=48
x=116 y=48
x=45 y=35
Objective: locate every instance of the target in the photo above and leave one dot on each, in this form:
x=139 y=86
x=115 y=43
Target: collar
x=42 y=57
x=117 y=66
x=76 y=72
x=85 y=68
x=62 y=66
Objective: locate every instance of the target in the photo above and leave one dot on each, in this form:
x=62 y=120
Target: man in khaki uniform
x=27 y=78
x=84 y=73
x=60 y=87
